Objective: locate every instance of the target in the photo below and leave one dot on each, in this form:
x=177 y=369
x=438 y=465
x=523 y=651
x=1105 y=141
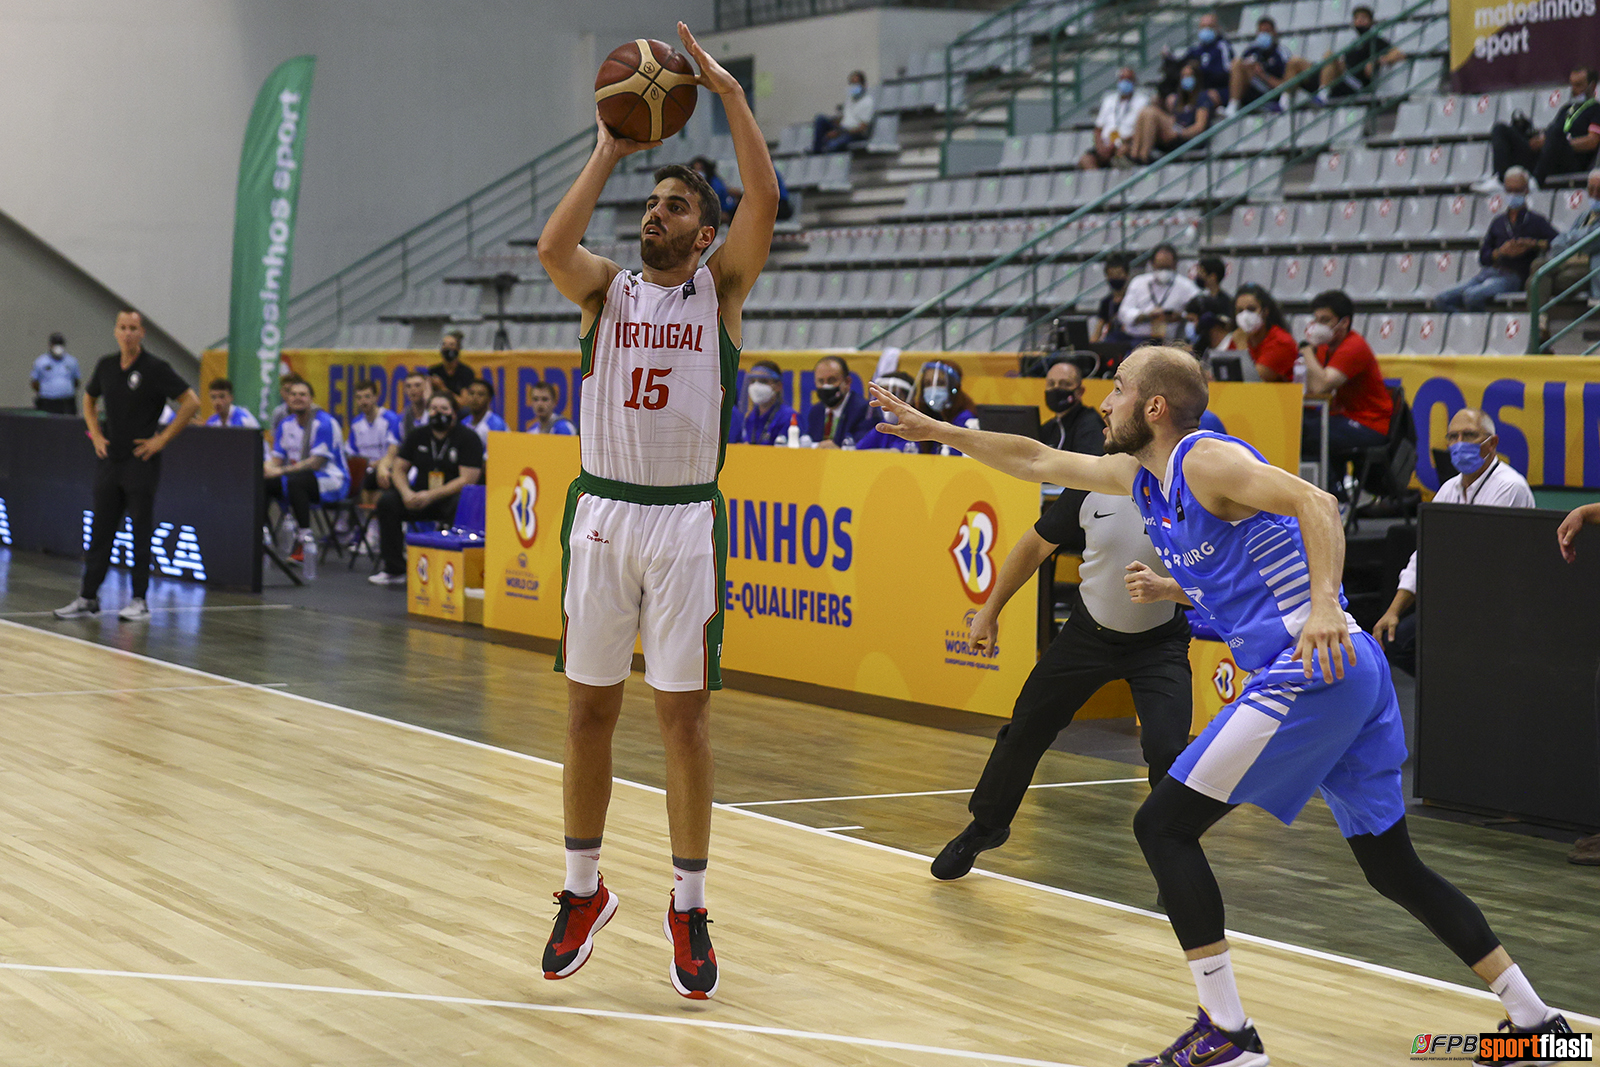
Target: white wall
x=802 y=66
x=124 y=119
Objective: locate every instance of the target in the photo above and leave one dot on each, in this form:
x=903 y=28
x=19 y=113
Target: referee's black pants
x=1082 y=658
x=122 y=486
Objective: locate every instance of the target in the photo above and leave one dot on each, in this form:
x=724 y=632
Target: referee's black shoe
x=957 y=858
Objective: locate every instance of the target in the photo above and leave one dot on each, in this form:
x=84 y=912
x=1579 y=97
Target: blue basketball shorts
x=1288 y=736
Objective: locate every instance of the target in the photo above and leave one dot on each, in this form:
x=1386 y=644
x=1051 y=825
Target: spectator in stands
x=767 y=416
x=1514 y=240
x=419 y=390
x=223 y=410
x=1341 y=366
x=1108 y=327
x=1350 y=73
x=1582 y=227
x=1115 y=124
x=1484 y=479
x=478 y=418
x=841 y=415
x=1568 y=144
x=1074 y=427
x=446 y=457
x=1211 y=55
x=1265 y=336
x=1185 y=115
x=450 y=375
x=850 y=125
x=286 y=382
x=1209 y=273
x=1262 y=67
x=727 y=196
x=900 y=384
x=55 y=379
x=374 y=433
x=306 y=461
x=939 y=396
x=542 y=396
x=1208 y=323
x=1155 y=299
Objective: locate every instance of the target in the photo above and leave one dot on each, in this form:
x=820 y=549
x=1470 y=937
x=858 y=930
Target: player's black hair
x=1271 y=312
x=1336 y=301
x=486 y=383
x=1164 y=247
x=366 y=383
x=220 y=385
x=1359 y=9
x=549 y=387
x=295 y=379
x=1215 y=266
x=1117 y=259
x=838 y=361
x=710 y=204
x=1588 y=72
x=1266 y=20
x=859 y=74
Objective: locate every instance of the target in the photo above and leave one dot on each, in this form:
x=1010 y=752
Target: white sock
x=583 y=867
x=688 y=884
x=1521 y=1002
x=1219 y=996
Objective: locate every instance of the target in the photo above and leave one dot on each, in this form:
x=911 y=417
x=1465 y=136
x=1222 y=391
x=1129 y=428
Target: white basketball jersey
x=658 y=377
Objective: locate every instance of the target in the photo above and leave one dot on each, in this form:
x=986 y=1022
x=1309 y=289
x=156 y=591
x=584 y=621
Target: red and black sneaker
x=694 y=962
x=577 y=921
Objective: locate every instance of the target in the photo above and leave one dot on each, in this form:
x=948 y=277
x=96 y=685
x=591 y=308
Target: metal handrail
x=422 y=254
x=942 y=301
x=1537 y=344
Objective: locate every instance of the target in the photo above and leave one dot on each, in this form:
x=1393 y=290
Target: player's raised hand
x=1325 y=639
x=910 y=424
x=713 y=75
x=616 y=146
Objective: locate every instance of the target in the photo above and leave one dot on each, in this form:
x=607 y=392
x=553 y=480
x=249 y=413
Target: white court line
x=110 y=692
x=1284 y=946
x=517 y=1005
x=924 y=793
x=836 y=829
x=107 y=612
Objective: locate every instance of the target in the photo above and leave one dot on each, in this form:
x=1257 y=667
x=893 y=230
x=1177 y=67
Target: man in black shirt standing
x=1352 y=71
x=447 y=457
x=1568 y=144
x=1074 y=427
x=136 y=387
x=452 y=376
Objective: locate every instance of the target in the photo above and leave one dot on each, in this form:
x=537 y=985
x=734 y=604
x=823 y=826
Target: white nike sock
x=583 y=866
x=1522 y=1003
x=1219 y=996
x=688 y=884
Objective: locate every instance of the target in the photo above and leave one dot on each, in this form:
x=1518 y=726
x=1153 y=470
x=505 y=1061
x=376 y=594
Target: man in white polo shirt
x=1484 y=479
x=1113 y=126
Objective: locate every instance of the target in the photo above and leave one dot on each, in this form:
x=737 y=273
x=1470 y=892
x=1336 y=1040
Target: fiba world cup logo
x=422 y=567
x=523 y=498
x=973 y=551
x=448 y=576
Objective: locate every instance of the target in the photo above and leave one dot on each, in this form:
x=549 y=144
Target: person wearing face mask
x=1107 y=327
x=899 y=384
x=1265 y=337
x=1341 y=366
x=450 y=375
x=1114 y=125
x=840 y=414
x=1482 y=478
x=1582 y=227
x=1568 y=144
x=767 y=415
x=939 y=396
x=1073 y=426
x=1186 y=115
x=851 y=125
x=55 y=379
x=1352 y=70
x=1262 y=67
x=1211 y=55
x=1154 y=303
x=1515 y=238
x=446 y=457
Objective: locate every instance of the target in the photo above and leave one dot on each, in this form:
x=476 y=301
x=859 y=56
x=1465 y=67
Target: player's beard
x=1134 y=436
x=667 y=251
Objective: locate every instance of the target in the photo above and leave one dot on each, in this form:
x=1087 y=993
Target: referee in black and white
x=135 y=387
x=1106 y=637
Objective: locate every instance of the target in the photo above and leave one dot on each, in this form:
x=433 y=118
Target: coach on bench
x=447 y=457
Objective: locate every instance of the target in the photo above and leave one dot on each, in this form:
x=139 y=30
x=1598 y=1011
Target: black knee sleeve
x=1168 y=826
x=1394 y=869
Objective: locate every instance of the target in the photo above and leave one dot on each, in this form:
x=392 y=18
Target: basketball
x=645 y=90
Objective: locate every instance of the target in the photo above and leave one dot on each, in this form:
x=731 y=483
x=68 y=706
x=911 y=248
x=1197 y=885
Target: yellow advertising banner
x=852 y=570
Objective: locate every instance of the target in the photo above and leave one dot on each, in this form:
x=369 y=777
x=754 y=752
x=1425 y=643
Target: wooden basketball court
x=198 y=870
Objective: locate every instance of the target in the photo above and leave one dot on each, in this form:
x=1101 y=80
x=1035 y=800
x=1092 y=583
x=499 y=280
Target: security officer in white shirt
x=1152 y=308
x=1484 y=479
x=1107 y=637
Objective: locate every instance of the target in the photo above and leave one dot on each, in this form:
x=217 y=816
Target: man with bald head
x=1072 y=426
x=1482 y=478
x=1259 y=553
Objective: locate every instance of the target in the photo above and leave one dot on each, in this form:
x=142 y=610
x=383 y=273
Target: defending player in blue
x=1260 y=553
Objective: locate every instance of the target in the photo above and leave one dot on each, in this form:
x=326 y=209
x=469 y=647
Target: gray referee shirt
x=1113 y=538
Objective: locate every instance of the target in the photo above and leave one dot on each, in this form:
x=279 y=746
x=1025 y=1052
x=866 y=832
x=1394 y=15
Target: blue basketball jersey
x=1248 y=579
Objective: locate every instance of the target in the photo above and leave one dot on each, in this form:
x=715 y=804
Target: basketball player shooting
x=645 y=537
x=1260 y=553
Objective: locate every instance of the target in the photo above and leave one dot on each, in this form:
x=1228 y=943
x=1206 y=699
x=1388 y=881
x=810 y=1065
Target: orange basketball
x=645 y=90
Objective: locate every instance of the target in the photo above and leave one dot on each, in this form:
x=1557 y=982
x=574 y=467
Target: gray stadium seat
x=1443 y=270
x=1361 y=169
x=1396 y=167
x=808 y=291
x=1468 y=162
x=1424 y=335
x=783 y=290
x=1363 y=277
x=1385 y=332
x=1293 y=278
x=1570 y=205
x=1344 y=222
x=1411 y=122
x=1257 y=270
x=916 y=205
x=760 y=298
x=1401 y=273
x=1014 y=153
x=1464 y=334
x=1311 y=221
x=820 y=333
x=1454 y=221
x=1329 y=174
x=1546 y=104
x=1508 y=334
x=1478 y=115
x=1244 y=227
x=1327 y=272
x=1416 y=218
x=885 y=136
